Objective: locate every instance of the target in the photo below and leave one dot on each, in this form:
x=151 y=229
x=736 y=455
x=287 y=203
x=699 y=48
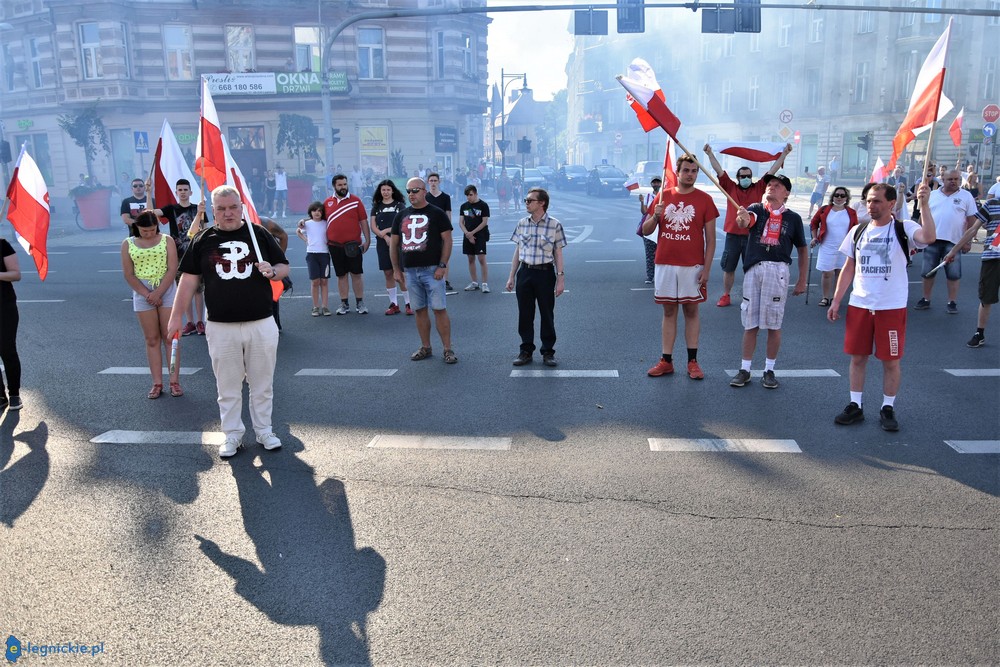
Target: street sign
x=141 y=142
x=785 y=132
x=785 y=116
x=989 y=130
x=798 y=137
x=991 y=113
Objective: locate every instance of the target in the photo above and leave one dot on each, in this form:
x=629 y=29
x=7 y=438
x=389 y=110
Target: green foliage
x=398 y=163
x=297 y=135
x=86 y=129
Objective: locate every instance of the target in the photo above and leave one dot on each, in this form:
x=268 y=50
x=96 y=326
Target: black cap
x=781 y=178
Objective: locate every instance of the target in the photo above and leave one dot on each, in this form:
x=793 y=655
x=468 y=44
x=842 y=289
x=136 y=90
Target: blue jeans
x=424 y=288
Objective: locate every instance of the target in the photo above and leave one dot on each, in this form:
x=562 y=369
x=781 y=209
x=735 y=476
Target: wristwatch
x=560 y=273
x=442 y=265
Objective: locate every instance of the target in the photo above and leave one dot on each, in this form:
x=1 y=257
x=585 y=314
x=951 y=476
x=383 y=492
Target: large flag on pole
x=751 y=151
x=879 y=173
x=928 y=101
x=169 y=166
x=669 y=174
x=28 y=210
x=211 y=163
x=956 y=128
x=647 y=98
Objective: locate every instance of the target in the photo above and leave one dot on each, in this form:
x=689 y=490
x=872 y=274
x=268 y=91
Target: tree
x=87 y=130
x=297 y=135
x=398 y=164
x=552 y=134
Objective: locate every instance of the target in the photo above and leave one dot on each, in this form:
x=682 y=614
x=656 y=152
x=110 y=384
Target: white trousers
x=244 y=350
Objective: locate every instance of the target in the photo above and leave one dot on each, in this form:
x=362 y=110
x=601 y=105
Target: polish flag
x=29 y=210
x=647 y=99
x=169 y=166
x=956 y=128
x=751 y=151
x=669 y=175
x=211 y=163
x=879 y=173
x=632 y=184
x=927 y=101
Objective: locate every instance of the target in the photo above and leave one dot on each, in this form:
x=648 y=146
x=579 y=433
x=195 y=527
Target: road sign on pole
x=141 y=142
x=991 y=113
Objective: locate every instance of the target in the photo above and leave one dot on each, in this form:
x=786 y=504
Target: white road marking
x=973 y=372
x=974 y=446
x=384 y=441
x=587 y=231
x=20 y=301
x=161 y=437
x=642 y=289
x=142 y=370
x=608 y=261
x=722 y=445
x=563 y=374
x=347 y=372
x=794 y=373
x=107 y=271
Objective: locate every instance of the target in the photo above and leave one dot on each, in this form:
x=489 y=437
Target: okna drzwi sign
x=274 y=83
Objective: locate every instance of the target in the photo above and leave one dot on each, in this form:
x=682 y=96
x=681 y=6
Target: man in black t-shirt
x=420 y=246
x=474 y=219
x=132 y=206
x=436 y=197
x=241 y=332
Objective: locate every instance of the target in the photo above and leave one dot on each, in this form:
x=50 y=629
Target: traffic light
x=524 y=145
x=590 y=22
x=865 y=142
x=333 y=134
x=747 y=15
x=5 y=155
x=631 y=16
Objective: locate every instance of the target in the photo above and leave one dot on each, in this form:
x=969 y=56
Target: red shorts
x=886 y=329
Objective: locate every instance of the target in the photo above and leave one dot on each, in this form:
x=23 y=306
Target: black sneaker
x=741 y=378
x=887 y=419
x=769 y=380
x=549 y=360
x=951 y=308
x=15 y=403
x=923 y=304
x=522 y=359
x=977 y=340
x=852 y=414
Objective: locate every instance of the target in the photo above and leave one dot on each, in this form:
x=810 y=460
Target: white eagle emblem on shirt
x=678 y=217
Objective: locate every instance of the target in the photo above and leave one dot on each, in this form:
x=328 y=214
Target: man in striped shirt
x=346 y=222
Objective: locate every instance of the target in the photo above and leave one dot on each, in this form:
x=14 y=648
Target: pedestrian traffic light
x=5 y=155
x=333 y=134
x=747 y=15
x=590 y=22
x=631 y=16
x=865 y=142
x=524 y=145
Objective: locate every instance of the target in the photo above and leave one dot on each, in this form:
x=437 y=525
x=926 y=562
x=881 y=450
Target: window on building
x=862 y=72
x=813 y=92
x=990 y=78
x=239 y=48
x=728 y=49
x=126 y=54
x=754 y=92
x=755 y=42
x=784 y=31
x=908 y=19
x=439 y=54
x=8 y=68
x=371 y=53
x=908 y=75
x=816 y=28
x=866 y=22
x=727 y=96
x=245 y=137
x=994 y=6
x=702 y=99
x=706 y=50
x=466 y=48
x=38 y=148
x=783 y=90
x=932 y=18
x=90 y=51
x=33 y=49
x=178 y=52
x=307 y=49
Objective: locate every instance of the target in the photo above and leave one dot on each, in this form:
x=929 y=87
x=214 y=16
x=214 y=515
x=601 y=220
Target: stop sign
x=991 y=113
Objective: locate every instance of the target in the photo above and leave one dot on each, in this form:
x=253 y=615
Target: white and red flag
x=169 y=166
x=211 y=156
x=879 y=173
x=669 y=174
x=928 y=102
x=751 y=151
x=647 y=99
x=956 y=128
x=28 y=210
x=632 y=184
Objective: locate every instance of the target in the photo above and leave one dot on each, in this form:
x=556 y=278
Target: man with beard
x=346 y=222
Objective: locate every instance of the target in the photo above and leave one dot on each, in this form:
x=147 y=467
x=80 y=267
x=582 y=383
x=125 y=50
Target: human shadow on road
x=21 y=483
x=310 y=571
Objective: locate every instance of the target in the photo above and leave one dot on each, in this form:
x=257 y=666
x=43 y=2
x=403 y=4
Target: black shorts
x=989 y=282
x=384 y=258
x=732 y=252
x=479 y=247
x=318 y=264
x=342 y=264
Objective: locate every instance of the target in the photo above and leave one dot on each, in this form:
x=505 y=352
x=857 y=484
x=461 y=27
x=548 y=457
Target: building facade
x=415 y=86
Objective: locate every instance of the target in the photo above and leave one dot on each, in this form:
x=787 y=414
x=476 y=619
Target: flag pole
x=707 y=173
x=201 y=141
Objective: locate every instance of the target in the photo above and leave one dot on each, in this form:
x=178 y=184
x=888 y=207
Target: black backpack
x=904 y=241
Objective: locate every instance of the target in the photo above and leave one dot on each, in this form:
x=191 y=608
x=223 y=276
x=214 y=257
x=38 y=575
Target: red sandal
x=155 y=391
x=175 y=389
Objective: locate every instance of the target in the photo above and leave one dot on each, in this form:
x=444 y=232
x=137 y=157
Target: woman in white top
x=829 y=227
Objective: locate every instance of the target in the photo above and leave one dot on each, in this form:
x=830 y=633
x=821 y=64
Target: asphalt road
x=558 y=534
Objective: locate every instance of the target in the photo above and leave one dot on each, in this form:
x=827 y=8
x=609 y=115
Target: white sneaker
x=472 y=287
x=485 y=288
x=362 y=308
x=230 y=446
x=270 y=441
x=344 y=309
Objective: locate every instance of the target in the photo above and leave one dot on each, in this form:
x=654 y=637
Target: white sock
x=769 y=364
x=392 y=296
x=745 y=364
x=856 y=397
x=406 y=297
x=888 y=400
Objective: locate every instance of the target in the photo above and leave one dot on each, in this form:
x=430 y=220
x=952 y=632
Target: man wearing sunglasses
x=420 y=247
x=134 y=205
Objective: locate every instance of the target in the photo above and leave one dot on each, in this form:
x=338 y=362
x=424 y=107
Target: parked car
x=548 y=173
x=572 y=177
x=607 y=180
x=645 y=171
x=533 y=179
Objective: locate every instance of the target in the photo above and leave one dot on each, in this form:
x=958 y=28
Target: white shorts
x=829 y=258
x=678 y=284
x=765 y=292
x=140 y=305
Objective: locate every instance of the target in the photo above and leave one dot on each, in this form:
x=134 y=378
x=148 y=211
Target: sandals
x=449 y=357
x=175 y=389
x=421 y=354
x=155 y=391
x=824 y=302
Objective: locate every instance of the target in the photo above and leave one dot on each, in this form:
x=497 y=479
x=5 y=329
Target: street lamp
x=503 y=143
x=3 y=133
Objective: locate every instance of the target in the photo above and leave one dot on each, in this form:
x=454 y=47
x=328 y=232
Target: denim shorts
x=935 y=252
x=424 y=289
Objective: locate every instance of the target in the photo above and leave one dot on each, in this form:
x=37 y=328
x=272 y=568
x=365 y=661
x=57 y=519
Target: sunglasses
x=140 y=185
x=413 y=191
x=839 y=195
x=528 y=201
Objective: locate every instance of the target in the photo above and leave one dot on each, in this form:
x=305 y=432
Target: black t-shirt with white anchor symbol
x=419 y=231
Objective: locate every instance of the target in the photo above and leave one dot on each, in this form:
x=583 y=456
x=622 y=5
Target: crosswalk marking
x=794 y=373
x=973 y=372
x=142 y=370
x=347 y=372
x=161 y=437
x=723 y=445
x=608 y=261
x=20 y=301
x=974 y=446
x=563 y=374
x=386 y=441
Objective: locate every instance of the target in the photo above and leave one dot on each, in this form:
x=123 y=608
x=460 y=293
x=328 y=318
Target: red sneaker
x=661 y=368
x=200 y=328
x=189 y=329
x=694 y=371
x=409 y=311
x=724 y=301
x=393 y=309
